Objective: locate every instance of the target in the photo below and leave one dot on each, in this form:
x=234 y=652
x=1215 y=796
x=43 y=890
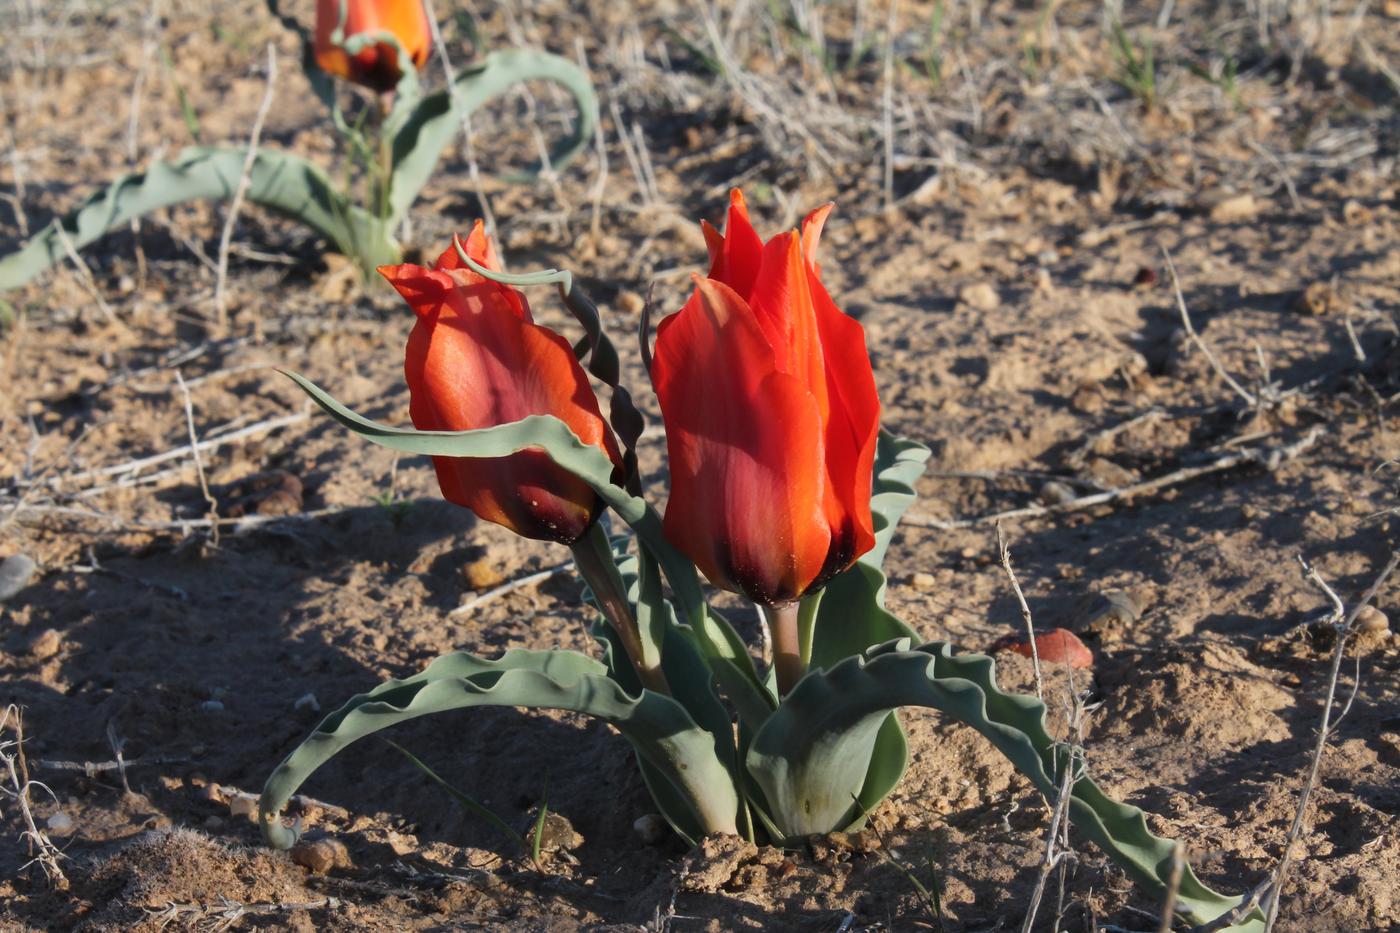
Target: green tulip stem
x=610 y=593
x=783 y=626
x=385 y=167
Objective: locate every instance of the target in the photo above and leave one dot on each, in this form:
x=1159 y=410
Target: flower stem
x=384 y=168
x=602 y=577
x=787 y=650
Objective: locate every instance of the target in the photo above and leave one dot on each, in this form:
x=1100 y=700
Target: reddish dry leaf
x=1057 y=646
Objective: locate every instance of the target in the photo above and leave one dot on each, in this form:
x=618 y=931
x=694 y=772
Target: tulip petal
x=482 y=250
x=812 y=233
x=782 y=303
x=473 y=361
x=745 y=447
x=740 y=251
x=853 y=424
x=825 y=349
x=377 y=65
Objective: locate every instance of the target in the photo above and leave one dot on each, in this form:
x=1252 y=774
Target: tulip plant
x=379 y=45
x=783 y=489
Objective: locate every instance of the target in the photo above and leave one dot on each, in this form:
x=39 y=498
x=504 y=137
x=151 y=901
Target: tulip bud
x=376 y=66
x=771 y=417
x=476 y=359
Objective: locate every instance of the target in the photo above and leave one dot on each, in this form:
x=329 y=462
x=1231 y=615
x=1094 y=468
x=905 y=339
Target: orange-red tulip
x=476 y=359
x=377 y=65
x=771 y=417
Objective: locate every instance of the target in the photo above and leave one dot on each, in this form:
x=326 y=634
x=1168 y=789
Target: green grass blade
x=467 y=802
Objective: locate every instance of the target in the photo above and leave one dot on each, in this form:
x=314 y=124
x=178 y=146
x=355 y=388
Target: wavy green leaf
x=659 y=728
x=437 y=119
x=721 y=645
x=852 y=616
x=809 y=758
x=278 y=180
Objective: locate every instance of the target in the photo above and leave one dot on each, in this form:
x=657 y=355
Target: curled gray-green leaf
x=724 y=649
x=658 y=728
x=437 y=119
x=278 y=180
x=809 y=757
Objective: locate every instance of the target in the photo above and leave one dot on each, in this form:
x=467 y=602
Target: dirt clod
x=44 y=645
x=321 y=855
x=1318 y=298
x=483 y=574
x=980 y=296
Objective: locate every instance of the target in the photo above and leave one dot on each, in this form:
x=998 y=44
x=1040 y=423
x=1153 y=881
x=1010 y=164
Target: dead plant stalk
x=1004 y=553
x=41 y=849
x=239 y=193
x=1343 y=623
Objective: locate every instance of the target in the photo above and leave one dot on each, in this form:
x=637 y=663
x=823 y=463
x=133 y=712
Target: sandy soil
x=1022 y=323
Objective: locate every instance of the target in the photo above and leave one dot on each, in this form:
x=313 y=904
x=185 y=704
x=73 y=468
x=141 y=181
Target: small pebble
x=1232 y=210
x=556 y=834
x=213 y=822
x=1110 y=474
x=651 y=827
x=1107 y=615
x=629 y=302
x=15 y=573
x=308 y=701
x=1371 y=621
x=212 y=706
x=60 y=823
x=403 y=843
x=211 y=793
x=980 y=296
x=923 y=581
x=44 y=645
x=243 y=805
x=1055 y=492
x=1356 y=214
x=1087 y=399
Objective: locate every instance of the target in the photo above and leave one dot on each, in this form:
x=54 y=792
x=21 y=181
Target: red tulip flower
x=476 y=360
x=771 y=417
x=377 y=65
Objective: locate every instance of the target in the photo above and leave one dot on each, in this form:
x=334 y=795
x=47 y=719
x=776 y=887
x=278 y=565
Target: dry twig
x=41 y=849
x=1269 y=457
x=468 y=148
x=1343 y=622
x=1004 y=553
x=1220 y=371
x=198 y=462
x=1057 y=852
x=1266 y=894
x=239 y=193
